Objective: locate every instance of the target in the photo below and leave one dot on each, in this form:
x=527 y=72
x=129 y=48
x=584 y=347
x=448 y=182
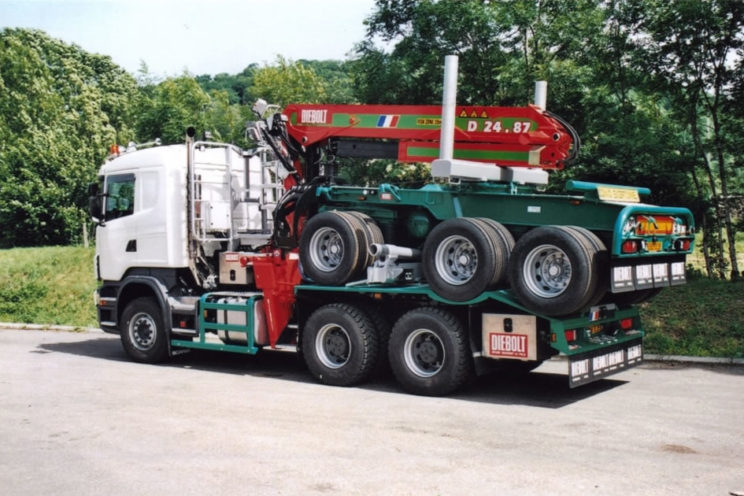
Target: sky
x=201 y=37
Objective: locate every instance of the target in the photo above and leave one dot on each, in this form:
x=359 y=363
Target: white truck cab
x=145 y=213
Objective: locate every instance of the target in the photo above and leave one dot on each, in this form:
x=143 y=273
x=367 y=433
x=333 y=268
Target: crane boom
x=506 y=136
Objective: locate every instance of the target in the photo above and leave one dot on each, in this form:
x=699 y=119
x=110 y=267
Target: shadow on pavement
x=538 y=389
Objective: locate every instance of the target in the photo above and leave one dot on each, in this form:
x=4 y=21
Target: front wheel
x=429 y=352
x=143 y=331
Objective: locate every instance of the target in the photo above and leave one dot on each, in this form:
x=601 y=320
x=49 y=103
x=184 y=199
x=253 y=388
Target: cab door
x=116 y=236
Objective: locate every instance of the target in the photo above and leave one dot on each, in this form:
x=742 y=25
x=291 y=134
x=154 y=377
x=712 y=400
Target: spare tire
x=460 y=259
x=553 y=271
x=330 y=248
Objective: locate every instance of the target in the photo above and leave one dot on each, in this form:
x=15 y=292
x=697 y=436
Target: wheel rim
x=326 y=249
x=142 y=331
x=333 y=346
x=547 y=271
x=424 y=353
x=456 y=260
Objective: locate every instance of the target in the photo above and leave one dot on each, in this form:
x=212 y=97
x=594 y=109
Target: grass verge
x=49 y=285
x=701 y=318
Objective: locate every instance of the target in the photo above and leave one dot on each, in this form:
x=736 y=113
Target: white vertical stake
x=541 y=94
x=449 y=100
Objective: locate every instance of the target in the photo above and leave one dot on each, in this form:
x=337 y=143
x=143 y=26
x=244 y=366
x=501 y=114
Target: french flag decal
x=388 y=121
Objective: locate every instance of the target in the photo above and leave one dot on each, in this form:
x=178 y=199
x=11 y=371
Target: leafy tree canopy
x=60 y=108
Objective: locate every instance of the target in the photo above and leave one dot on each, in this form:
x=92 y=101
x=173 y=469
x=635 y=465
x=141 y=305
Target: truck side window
x=119 y=196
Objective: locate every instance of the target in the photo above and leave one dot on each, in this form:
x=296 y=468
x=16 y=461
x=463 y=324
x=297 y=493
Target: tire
x=330 y=249
x=504 y=241
x=372 y=234
x=143 y=331
x=601 y=263
x=460 y=259
x=553 y=271
x=340 y=345
x=429 y=353
x=383 y=328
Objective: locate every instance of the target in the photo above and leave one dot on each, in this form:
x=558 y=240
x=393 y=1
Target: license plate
x=589 y=367
x=653 y=246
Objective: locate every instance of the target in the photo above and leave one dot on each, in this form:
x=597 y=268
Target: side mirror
x=95 y=205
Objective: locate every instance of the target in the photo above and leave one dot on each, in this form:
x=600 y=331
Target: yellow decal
x=428 y=122
x=625 y=195
x=463 y=113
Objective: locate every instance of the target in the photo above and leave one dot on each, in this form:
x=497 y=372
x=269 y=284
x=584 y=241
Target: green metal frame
x=586 y=343
x=519 y=207
x=205 y=326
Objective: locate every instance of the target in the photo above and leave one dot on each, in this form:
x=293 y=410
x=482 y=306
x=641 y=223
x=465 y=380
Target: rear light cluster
x=611 y=329
x=655 y=228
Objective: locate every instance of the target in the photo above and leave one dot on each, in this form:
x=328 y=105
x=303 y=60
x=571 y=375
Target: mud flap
x=594 y=365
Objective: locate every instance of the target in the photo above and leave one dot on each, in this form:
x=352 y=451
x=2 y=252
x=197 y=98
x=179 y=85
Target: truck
x=206 y=246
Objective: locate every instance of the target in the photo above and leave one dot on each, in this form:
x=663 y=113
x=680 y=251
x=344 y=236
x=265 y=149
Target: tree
x=693 y=49
x=168 y=109
x=60 y=109
x=288 y=82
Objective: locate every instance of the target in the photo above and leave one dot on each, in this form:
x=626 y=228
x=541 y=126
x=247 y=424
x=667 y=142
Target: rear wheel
x=429 y=352
x=143 y=331
x=553 y=271
x=339 y=344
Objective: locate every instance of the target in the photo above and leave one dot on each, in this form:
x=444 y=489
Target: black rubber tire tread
x=503 y=244
x=481 y=238
x=457 y=367
x=583 y=281
x=362 y=336
x=362 y=242
x=600 y=263
x=373 y=234
x=158 y=352
x=595 y=271
x=502 y=231
x=349 y=265
x=383 y=328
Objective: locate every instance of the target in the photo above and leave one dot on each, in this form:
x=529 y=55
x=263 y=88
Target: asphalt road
x=76 y=418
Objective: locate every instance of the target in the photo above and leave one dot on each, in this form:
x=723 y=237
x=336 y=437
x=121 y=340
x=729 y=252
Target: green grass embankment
x=50 y=285
x=701 y=318
x=54 y=285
